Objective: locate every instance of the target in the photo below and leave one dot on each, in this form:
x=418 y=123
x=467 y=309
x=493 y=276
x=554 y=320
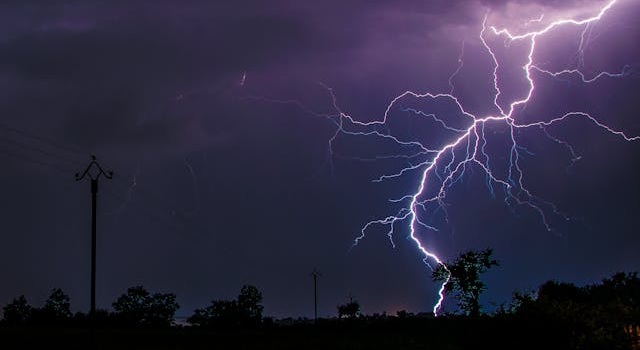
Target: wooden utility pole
x=93 y=171
x=315 y=274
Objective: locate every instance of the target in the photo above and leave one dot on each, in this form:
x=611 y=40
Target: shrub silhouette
x=17 y=312
x=56 y=310
x=246 y=311
x=139 y=307
x=349 y=310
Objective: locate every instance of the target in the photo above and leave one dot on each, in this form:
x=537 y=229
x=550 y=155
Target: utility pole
x=315 y=274
x=93 y=171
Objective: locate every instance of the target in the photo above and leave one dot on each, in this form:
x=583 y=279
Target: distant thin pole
x=94 y=175
x=315 y=274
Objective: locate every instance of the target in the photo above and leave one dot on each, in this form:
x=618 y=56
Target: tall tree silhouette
x=58 y=305
x=463 y=276
x=249 y=304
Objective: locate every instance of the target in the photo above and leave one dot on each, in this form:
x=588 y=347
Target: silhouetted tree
x=139 y=307
x=621 y=293
x=463 y=275
x=220 y=313
x=56 y=310
x=246 y=311
x=596 y=316
x=404 y=314
x=17 y=312
x=349 y=310
x=249 y=304
x=519 y=300
x=58 y=305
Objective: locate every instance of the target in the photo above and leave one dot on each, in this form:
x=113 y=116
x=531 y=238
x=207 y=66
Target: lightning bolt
x=243 y=79
x=536 y=20
x=443 y=166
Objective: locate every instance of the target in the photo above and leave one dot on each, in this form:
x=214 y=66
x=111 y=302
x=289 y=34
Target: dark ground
x=395 y=334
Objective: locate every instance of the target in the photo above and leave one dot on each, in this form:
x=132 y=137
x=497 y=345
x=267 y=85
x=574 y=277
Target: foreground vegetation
x=558 y=315
x=449 y=332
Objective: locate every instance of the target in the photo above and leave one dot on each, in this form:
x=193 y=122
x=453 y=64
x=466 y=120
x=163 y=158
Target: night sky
x=218 y=121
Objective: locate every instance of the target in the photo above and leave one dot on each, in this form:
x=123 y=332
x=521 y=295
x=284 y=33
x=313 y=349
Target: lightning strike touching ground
x=441 y=167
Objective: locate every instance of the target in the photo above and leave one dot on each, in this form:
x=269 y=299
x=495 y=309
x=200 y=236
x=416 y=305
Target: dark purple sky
x=221 y=181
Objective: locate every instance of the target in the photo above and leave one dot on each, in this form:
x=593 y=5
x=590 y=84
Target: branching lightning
x=440 y=167
x=443 y=166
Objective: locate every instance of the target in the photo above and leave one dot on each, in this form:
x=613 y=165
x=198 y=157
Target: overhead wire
x=37 y=147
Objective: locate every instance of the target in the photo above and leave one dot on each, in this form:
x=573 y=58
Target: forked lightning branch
x=441 y=167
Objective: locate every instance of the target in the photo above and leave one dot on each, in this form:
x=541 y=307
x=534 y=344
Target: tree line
x=603 y=315
x=138 y=308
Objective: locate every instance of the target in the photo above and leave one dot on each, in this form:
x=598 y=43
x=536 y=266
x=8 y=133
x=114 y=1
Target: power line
x=31 y=148
x=41 y=139
x=59 y=169
x=24 y=151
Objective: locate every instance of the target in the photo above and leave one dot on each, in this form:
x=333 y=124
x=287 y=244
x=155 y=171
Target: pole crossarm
x=315 y=273
x=94 y=162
